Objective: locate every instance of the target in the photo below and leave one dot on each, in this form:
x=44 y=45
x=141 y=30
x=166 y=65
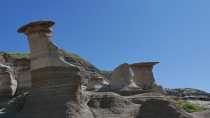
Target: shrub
x=189 y=107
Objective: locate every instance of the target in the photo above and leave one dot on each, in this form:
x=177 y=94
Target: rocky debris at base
x=203 y=114
x=111 y=105
x=96 y=82
x=141 y=98
x=9 y=107
x=156 y=108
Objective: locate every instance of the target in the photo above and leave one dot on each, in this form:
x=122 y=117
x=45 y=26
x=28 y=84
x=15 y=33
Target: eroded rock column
x=122 y=78
x=143 y=75
x=55 y=83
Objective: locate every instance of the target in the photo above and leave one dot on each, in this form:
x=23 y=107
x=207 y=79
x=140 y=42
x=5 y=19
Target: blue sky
x=111 y=32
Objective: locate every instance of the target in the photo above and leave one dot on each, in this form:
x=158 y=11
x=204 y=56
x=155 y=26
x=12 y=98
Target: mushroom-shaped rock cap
x=41 y=24
x=144 y=64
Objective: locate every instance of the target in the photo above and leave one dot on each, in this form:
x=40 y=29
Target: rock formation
x=155 y=108
x=8 y=83
x=23 y=74
x=133 y=76
x=55 y=82
x=21 y=66
x=122 y=78
x=96 y=82
x=111 y=105
x=203 y=114
x=143 y=75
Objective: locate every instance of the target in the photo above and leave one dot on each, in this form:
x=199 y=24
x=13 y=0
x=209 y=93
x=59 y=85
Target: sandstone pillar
x=55 y=83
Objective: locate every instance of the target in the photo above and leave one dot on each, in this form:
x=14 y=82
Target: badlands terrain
x=49 y=82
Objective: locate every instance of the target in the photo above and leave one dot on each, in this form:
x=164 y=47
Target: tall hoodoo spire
x=55 y=82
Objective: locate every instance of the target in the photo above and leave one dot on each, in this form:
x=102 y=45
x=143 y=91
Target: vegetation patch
x=17 y=55
x=72 y=55
x=189 y=107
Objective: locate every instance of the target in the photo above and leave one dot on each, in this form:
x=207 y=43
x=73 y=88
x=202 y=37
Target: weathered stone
x=23 y=74
x=111 y=105
x=9 y=107
x=122 y=78
x=8 y=84
x=2 y=59
x=133 y=76
x=55 y=82
x=96 y=82
x=143 y=75
x=52 y=90
x=43 y=52
x=157 y=108
x=203 y=114
x=21 y=67
x=141 y=98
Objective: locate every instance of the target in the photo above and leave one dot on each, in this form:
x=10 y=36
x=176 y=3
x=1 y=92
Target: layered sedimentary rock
x=8 y=84
x=9 y=107
x=23 y=74
x=111 y=105
x=55 y=82
x=21 y=67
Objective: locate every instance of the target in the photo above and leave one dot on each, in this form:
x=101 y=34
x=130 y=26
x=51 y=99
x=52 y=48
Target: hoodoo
x=55 y=82
x=133 y=76
x=143 y=75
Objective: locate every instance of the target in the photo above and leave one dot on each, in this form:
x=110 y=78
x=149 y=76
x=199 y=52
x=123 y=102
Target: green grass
x=74 y=56
x=189 y=107
x=17 y=54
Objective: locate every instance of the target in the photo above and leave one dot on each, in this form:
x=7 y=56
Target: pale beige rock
x=143 y=75
x=8 y=83
x=111 y=105
x=203 y=114
x=122 y=78
x=43 y=52
x=96 y=82
x=2 y=59
x=21 y=68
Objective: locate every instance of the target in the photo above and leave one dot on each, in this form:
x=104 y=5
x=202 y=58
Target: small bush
x=189 y=107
